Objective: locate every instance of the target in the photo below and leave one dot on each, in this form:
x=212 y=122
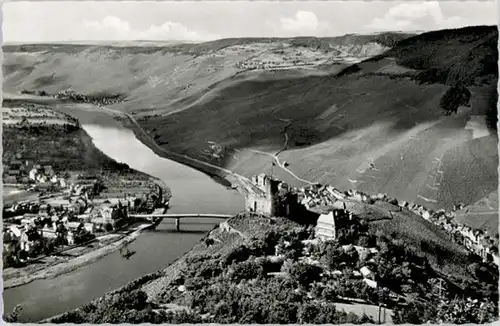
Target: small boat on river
x=127 y=253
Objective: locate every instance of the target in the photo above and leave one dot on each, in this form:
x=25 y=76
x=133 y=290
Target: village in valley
x=53 y=210
x=49 y=210
x=344 y=215
x=331 y=164
x=334 y=208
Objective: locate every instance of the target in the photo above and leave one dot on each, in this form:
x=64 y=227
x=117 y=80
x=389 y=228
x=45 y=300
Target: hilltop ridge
x=358 y=112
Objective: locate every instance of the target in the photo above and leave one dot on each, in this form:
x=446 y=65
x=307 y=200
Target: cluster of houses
x=94 y=99
x=35 y=115
x=281 y=200
x=271 y=65
x=476 y=241
x=69 y=223
x=364 y=273
x=81 y=211
x=26 y=172
x=45 y=174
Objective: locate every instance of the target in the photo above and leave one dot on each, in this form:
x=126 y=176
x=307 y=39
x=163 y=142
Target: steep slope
x=237 y=102
x=384 y=110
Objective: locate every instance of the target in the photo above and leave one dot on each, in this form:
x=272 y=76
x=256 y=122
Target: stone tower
x=268 y=202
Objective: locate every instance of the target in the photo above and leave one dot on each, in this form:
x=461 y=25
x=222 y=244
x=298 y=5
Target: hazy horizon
x=163 y=42
x=195 y=22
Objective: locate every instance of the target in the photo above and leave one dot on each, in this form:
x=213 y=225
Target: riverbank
x=218 y=174
x=55 y=266
x=42 y=297
x=225 y=237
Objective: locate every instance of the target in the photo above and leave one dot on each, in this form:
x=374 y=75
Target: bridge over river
x=178 y=217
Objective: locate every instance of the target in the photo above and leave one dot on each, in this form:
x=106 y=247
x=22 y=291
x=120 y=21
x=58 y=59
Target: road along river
x=193 y=192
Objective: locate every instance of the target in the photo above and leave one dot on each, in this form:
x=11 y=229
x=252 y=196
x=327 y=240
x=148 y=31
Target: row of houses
x=280 y=200
x=60 y=225
x=19 y=170
x=476 y=241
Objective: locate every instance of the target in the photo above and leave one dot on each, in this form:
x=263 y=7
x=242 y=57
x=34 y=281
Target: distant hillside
x=223 y=101
x=386 y=39
x=382 y=110
x=468 y=55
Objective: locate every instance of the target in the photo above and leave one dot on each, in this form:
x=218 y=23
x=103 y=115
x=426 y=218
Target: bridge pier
x=177 y=224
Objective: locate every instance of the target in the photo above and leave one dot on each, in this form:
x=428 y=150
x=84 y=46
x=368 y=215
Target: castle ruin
x=275 y=200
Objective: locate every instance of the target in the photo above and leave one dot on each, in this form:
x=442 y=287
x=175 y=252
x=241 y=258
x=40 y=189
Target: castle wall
x=272 y=203
x=259 y=205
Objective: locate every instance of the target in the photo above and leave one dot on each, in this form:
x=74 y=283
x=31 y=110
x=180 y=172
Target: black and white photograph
x=250 y=162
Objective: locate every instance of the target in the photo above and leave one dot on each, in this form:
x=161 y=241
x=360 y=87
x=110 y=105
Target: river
x=193 y=192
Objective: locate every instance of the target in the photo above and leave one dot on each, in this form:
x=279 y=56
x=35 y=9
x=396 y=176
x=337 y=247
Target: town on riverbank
x=95 y=207
x=63 y=199
x=347 y=256
x=333 y=178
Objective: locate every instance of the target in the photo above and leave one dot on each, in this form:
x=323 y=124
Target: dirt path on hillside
x=285 y=147
x=281 y=165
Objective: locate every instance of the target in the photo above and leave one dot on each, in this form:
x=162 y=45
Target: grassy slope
x=153 y=77
x=361 y=116
x=338 y=124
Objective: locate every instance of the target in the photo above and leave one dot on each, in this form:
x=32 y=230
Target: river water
x=193 y=192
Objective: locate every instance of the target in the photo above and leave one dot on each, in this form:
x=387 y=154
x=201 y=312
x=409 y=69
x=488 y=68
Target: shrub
x=454 y=97
x=492 y=110
x=305 y=274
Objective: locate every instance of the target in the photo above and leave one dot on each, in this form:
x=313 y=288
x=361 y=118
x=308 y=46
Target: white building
x=366 y=272
x=33 y=174
x=49 y=233
x=89 y=227
x=72 y=225
x=325 y=227
x=106 y=213
x=370 y=283
x=71 y=238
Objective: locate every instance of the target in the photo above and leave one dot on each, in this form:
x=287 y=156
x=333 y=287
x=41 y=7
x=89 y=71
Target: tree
x=49 y=246
x=332 y=254
x=463 y=311
x=455 y=97
x=282 y=313
x=132 y=300
x=365 y=319
x=247 y=270
x=13 y=317
x=239 y=254
x=307 y=313
x=329 y=294
x=413 y=313
x=364 y=241
x=492 y=110
x=305 y=274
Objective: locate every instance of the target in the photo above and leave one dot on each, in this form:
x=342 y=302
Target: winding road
x=285 y=147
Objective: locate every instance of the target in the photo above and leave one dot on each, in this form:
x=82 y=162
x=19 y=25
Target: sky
x=207 y=20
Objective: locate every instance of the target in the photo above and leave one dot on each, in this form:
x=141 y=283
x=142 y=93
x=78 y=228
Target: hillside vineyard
x=181 y=171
